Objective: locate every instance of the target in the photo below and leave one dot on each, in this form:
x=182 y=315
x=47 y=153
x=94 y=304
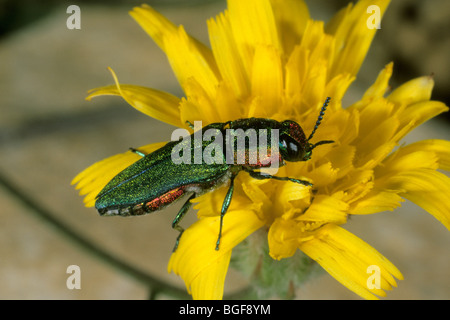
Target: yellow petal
x=286 y=232
x=94 y=178
x=255 y=194
x=374 y=114
x=347 y=258
x=227 y=56
x=314 y=34
x=314 y=89
x=201 y=105
x=283 y=238
x=157 y=104
x=159 y=28
x=380 y=86
x=229 y=106
x=407 y=159
x=322 y=175
x=337 y=87
x=196 y=259
x=290 y=199
x=355 y=185
x=326 y=208
x=209 y=284
x=320 y=44
x=154 y=23
x=353 y=37
x=372 y=159
x=417 y=113
x=376 y=201
x=415 y=90
x=342 y=126
x=440 y=148
x=210 y=203
x=379 y=133
x=190 y=111
x=187 y=61
x=296 y=73
x=291 y=17
x=342 y=159
x=187 y=56
x=427 y=188
x=267 y=80
x=253 y=24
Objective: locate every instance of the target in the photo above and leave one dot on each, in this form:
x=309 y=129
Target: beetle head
x=293 y=143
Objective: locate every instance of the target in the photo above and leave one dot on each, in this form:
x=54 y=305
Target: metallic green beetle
x=155 y=181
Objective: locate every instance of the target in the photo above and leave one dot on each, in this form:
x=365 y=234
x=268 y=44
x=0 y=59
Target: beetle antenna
x=319 y=120
x=320 y=143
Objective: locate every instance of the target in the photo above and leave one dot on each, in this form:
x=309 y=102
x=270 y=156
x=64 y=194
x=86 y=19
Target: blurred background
x=49 y=133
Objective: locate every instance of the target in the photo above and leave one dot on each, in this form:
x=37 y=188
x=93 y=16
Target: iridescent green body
x=155 y=181
x=150 y=178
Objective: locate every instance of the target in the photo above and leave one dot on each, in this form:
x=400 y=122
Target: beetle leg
x=190 y=125
x=260 y=176
x=179 y=216
x=142 y=154
x=225 y=205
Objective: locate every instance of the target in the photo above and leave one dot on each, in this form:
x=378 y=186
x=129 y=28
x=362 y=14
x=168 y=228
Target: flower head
x=269 y=59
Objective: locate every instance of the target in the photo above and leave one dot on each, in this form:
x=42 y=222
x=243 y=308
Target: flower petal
x=415 y=90
x=342 y=126
x=154 y=23
x=296 y=74
x=416 y=114
x=347 y=258
x=196 y=259
x=337 y=87
x=407 y=159
x=227 y=55
x=187 y=56
x=353 y=37
x=199 y=106
x=342 y=159
x=427 y=188
x=291 y=17
x=286 y=232
x=314 y=88
x=326 y=208
x=380 y=86
x=228 y=105
x=289 y=200
x=322 y=175
x=210 y=203
x=253 y=24
x=283 y=238
x=267 y=81
x=354 y=186
x=376 y=201
x=378 y=133
x=187 y=61
x=157 y=104
x=94 y=178
x=441 y=148
x=209 y=285
x=320 y=44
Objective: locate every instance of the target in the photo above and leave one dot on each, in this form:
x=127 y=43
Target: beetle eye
x=290 y=148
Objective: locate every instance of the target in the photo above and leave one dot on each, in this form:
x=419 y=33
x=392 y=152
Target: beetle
x=154 y=181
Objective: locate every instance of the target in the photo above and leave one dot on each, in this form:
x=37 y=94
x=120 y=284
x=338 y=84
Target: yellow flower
x=269 y=59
